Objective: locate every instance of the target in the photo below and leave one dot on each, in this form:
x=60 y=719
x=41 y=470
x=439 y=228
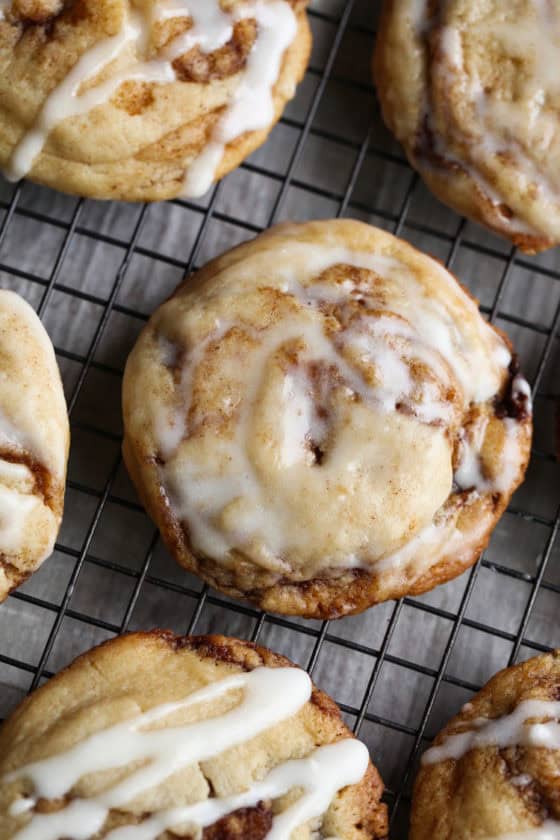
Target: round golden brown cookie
x=320 y=420
x=34 y=440
x=142 y=100
x=494 y=770
x=152 y=736
x=469 y=87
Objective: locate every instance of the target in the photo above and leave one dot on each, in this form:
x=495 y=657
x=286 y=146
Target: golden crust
x=492 y=791
x=137 y=146
x=138 y=671
x=239 y=288
x=433 y=67
x=34 y=442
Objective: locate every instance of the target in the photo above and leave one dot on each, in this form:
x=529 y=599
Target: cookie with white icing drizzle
x=493 y=773
x=34 y=439
x=151 y=736
x=320 y=420
x=142 y=100
x=470 y=88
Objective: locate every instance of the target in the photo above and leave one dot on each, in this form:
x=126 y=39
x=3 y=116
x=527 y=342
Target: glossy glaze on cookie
x=270 y=695
x=385 y=344
x=34 y=439
x=320 y=408
x=120 y=781
x=475 y=105
x=231 y=58
x=493 y=771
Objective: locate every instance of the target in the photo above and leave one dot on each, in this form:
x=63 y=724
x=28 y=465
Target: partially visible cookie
x=34 y=440
x=494 y=770
x=153 y=736
x=469 y=87
x=143 y=101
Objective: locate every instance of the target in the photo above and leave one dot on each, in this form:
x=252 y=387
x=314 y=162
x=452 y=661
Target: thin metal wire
x=364 y=151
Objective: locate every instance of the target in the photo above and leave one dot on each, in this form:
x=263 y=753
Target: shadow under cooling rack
x=96 y=271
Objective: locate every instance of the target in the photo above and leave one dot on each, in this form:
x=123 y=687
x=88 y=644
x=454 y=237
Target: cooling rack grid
x=95 y=272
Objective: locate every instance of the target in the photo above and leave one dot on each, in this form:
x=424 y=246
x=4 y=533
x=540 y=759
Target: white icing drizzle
x=199 y=497
x=521 y=781
x=321 y=776
x=416 y=10
x=211 y=29
x=511 y=457
x=250 y=108
x=67 y=101
x=514 y=729
x=469 y=473
x=32 y=418
x=12 y=436
x=537 y=36
x=4 y=6
x=21 y=806
x=15 y=511
x=438 y=539
x=224 y=503
x=19 y=402
x=171 y=429
x=299 y=424
x=426 y=543
x=436 y=329
x=14 y=473
x=270 y=695
x=520 y=389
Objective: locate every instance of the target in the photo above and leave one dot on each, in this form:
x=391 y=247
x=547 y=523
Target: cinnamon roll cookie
x=470 y=88
x=494 y=770
x=320 y=420
x=142 y=100
x=205 y=738
x=34 y=439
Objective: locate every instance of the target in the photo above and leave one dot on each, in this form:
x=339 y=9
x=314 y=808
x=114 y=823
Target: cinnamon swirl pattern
x=494 y=771
x=153 y=736
x=320 y=420
x=34 y=438
x=471 y=91
x=142 y=101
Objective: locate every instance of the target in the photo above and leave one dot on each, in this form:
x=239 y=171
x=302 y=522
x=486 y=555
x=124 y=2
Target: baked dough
x=34 y=439
x=320 y=420
x=470 y=88
x=196 y=737
x=142 y=100
x=494 y=770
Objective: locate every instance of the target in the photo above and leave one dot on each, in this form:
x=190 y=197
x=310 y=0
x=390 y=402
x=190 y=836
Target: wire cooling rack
x=95 y=272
